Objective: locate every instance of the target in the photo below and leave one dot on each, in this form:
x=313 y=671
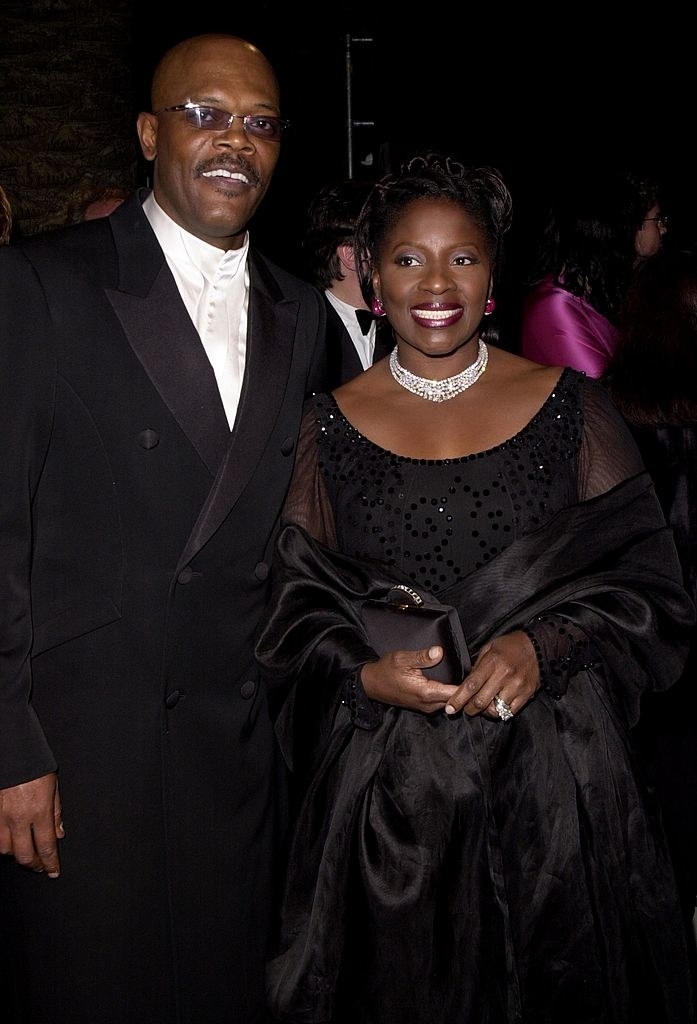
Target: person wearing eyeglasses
x=154 y=367
x=600 y=225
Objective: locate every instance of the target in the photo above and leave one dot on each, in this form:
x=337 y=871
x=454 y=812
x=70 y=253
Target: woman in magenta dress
x=598 y=229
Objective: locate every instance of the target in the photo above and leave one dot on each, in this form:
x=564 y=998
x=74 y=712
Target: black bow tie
x=365 y=319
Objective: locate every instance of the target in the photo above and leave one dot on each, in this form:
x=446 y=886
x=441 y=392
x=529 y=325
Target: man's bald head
x=181 y=60
x=210 y=180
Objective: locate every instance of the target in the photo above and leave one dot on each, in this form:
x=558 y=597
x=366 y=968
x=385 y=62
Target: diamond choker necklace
x=440 y=390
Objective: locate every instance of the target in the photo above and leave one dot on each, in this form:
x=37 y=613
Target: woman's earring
x=490 y=307
x=377 y=307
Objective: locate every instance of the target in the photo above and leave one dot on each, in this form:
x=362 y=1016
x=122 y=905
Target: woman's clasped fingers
x=504 y=677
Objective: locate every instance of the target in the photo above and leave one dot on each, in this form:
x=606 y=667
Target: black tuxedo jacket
x=343 y=361
x=136 y=533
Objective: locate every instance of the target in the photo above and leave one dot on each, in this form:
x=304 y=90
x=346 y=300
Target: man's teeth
x=220 y=172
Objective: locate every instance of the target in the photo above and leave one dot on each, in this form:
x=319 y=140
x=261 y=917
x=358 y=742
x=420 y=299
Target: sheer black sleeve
x=608 y=456
x=307 y=504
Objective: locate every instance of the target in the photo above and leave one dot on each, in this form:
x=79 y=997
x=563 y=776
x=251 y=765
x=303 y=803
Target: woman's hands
x=506 y=667
x=397 y=678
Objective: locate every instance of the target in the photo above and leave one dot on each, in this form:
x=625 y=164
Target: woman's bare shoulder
x=510 y=369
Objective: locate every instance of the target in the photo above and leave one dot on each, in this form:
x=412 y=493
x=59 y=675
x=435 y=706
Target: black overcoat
x=135 y=532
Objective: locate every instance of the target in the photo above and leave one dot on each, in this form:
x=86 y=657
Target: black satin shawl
x=466 y=871
x=609 y=564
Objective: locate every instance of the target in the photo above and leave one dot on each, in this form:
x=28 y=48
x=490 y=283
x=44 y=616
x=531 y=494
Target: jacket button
x=148 y=439
x=261 y=570
x=288 y=446
x=172 y=699
x=248 y=689
x=185 y=575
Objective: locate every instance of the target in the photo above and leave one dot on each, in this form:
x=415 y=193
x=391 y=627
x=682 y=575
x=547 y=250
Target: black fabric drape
x=530 y=849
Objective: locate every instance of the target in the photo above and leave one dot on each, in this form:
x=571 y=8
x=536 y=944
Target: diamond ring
x=503 y=710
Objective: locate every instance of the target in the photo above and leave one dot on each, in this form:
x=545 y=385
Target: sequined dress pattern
x=441 y=519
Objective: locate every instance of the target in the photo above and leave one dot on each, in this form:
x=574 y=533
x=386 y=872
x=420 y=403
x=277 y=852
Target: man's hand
x=31 y=822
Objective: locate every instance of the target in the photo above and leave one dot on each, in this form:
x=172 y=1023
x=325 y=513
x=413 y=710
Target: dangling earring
x=377 y=307
x=490 y=307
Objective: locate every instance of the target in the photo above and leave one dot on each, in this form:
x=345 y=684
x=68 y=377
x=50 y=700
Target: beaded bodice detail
x=439 y=520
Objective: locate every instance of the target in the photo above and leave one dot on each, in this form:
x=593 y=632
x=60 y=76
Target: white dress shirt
x=214 y=286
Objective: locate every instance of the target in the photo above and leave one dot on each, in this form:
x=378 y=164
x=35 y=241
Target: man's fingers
x=36 y=851
x=58 y=816
x=30 y=822
x=47 y=852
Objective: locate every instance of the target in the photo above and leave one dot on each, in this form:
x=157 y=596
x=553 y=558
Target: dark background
x=518 y=90
x=527 y=89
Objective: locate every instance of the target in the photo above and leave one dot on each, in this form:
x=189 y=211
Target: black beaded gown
x=469 y=871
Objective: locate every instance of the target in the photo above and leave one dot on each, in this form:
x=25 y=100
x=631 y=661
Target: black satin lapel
x=343 y=361
x=163 y=337
x=269 y=351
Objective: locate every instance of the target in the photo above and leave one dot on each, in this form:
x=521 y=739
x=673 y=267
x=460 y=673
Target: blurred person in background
x=653 y=381
x=600 y=225
x=93 y=200
x=5 y=218
x=356 y=337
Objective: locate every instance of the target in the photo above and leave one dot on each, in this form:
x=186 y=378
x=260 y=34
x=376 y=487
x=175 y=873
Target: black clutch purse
x=404 y=621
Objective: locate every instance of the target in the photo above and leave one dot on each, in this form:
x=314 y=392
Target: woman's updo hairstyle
x=479 y=191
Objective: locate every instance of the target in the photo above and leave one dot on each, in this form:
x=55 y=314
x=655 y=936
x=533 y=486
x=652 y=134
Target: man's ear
x=147 y=134
x=346 y=257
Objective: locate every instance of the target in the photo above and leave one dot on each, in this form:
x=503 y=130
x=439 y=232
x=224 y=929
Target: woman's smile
x=437 y=315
